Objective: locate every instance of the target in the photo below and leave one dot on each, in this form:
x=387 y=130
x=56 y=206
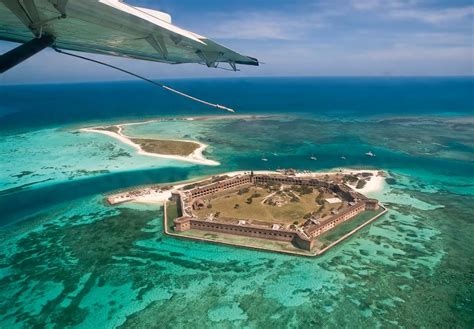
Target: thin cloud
x=434 y=16
x=262 y=25
x=412 y=10
x=408 y=52
x=378 y=4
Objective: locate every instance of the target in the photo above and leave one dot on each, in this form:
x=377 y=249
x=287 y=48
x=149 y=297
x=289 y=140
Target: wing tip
x=251 y=61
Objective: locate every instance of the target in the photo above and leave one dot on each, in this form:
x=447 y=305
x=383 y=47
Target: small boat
x=312 y=157
x=264 y=159
x=370 y=154
x=343 y=158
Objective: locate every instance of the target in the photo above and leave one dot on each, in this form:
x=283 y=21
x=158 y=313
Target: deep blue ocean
x=70 y=260
x=33 y=106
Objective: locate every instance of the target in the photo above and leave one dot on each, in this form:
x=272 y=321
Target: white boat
x=312 y=157
x=370 y=154
x=264 y=159
x=343 y=158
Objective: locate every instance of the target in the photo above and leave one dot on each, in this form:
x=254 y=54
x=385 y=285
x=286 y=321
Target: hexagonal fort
x=281 y=206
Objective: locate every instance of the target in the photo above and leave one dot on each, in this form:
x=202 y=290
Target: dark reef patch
x=23 y=173
x=65 y=254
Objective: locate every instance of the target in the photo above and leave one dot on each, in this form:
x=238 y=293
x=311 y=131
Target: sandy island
x=115 y=131
x=145 y=147
x=160 y=194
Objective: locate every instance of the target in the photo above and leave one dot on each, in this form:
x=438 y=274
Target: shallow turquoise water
x=53 y=155
x=69 y=260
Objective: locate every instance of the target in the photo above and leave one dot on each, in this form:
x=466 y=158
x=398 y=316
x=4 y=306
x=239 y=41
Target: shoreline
x=376 y=182
x=156 y=195
x=196 y=156
x=200 y=118
x=160 y=195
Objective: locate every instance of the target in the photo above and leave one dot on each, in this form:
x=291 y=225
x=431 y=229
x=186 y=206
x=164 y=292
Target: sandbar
x=171 y=149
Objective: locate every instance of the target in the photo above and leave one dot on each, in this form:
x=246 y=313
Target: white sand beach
x=145 y=195
x=157 y=195
x=195 y=157
x=375 y=183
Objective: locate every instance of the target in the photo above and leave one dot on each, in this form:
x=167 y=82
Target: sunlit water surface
x=69 y=260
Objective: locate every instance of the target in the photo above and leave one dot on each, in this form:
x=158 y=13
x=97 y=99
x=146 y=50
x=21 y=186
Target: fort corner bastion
x=207 y=210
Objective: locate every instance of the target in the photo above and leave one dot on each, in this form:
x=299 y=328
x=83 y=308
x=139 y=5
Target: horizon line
x=467 y=76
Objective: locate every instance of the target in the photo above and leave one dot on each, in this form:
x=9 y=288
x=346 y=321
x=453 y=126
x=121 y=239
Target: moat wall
x=186 y=223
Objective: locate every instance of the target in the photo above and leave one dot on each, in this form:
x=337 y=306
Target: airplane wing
x=110 y=27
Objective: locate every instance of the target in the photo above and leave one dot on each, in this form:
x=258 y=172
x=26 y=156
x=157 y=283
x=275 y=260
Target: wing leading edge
x=114 y=28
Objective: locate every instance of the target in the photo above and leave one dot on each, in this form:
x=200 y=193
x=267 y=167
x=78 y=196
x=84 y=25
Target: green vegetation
x=302 y=189
x=320 y=199
x=361 y=183
x=272 y=186
x=284 y=207
x=350 y=179
x=113 y=129
x=216 y=179
x=243 y=190
x=189 y=186
x=167 y=147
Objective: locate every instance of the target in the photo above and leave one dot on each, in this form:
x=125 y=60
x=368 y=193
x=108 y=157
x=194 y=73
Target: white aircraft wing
x=111 y=27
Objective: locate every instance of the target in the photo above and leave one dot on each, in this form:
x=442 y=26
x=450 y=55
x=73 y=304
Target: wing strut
x=23 y=52
x=217 y=106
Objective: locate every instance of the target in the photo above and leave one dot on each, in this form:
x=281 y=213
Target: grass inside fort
x=262 y=211
x=280 y=246
x=282 y=204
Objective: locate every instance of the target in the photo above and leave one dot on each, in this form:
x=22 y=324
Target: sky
x=296 y=38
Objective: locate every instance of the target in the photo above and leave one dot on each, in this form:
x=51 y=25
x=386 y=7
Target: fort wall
x=217 y=187
x=288 y=180
x=299 y=238
x=303 y=238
